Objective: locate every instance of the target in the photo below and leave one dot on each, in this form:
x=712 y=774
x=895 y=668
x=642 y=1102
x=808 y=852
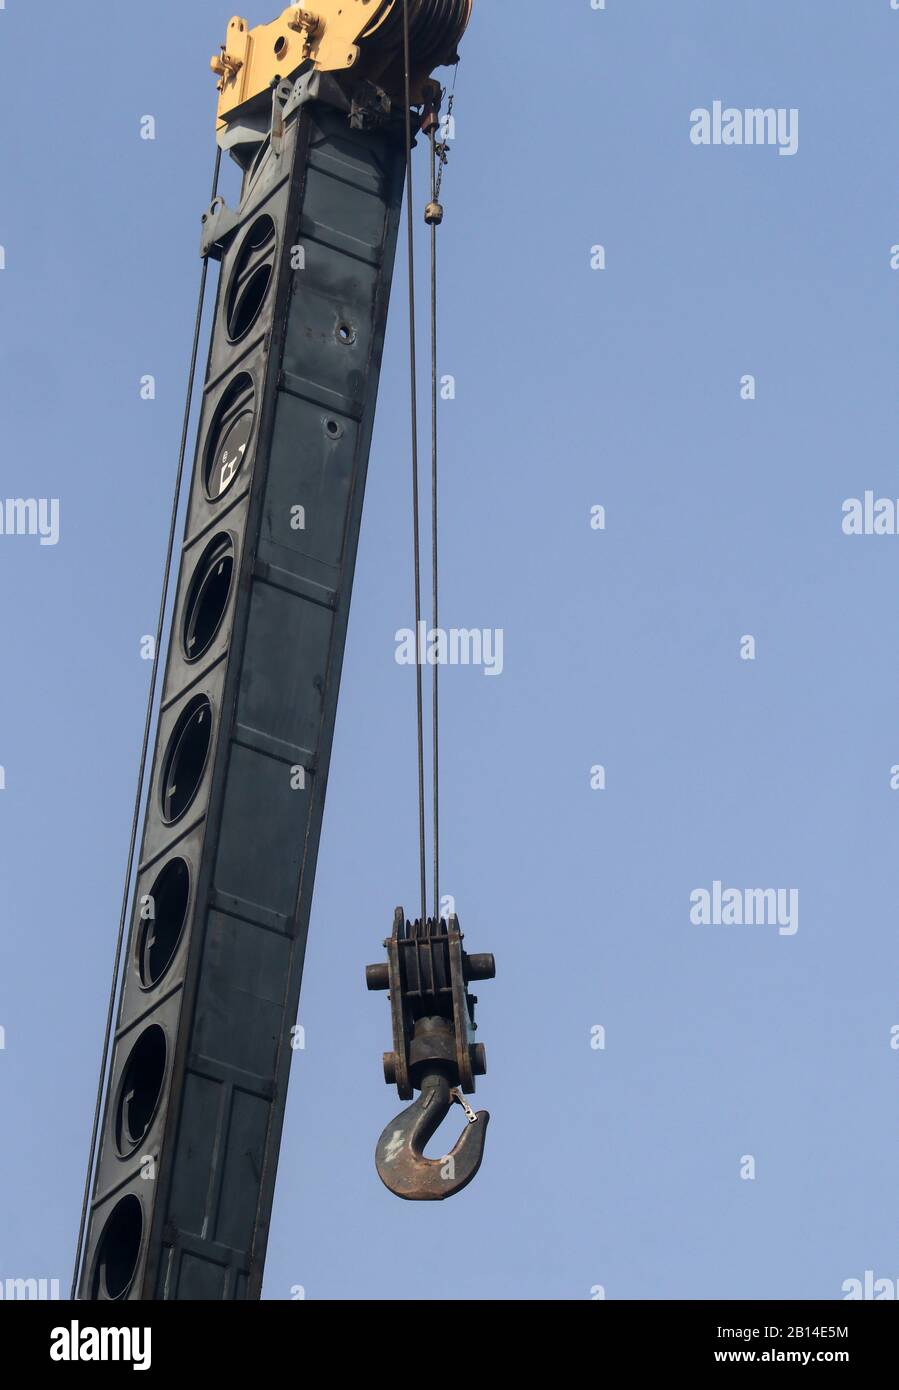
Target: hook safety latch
x=427 y=974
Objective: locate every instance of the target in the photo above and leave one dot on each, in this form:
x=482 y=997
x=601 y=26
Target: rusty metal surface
x=401 y=1164
x=432 y=1013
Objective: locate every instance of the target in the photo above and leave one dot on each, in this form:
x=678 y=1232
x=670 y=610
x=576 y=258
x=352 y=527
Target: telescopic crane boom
x=182 y=1175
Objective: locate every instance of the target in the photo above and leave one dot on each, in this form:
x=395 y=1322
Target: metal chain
x=443 y=151
x=443 y=147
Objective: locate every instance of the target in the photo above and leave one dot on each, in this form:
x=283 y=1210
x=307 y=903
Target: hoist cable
x=415 y=504
x=438 y=162
x=435 y=710
x=148 y=722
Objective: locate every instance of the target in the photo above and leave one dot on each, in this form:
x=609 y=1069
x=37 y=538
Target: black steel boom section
x=195 y=1098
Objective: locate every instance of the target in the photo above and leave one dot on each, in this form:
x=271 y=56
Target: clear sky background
x=618 y=1167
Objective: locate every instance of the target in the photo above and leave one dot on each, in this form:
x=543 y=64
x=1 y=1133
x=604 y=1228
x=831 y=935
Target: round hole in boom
x=280 y=46
x=185 y=759
x=229 y=437
x=260 y=234
x=140 y=1089
x=250 y=278
x=246 y=305
x=118 y=1251
x=346 y=334
x=207 y=598
x=163 y=913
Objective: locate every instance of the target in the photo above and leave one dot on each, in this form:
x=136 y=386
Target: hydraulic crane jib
x=196 y=1062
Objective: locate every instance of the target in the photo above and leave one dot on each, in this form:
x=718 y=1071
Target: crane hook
x=426 y=977
x=402 y=1166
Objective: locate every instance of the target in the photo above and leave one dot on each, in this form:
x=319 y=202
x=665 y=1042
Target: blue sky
x=617 y=1167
